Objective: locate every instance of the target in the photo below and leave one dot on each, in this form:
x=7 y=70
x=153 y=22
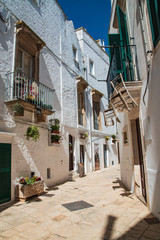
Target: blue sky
x=93 y=15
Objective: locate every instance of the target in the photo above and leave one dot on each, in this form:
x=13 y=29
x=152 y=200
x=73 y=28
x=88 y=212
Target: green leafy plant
x=32 y=132
x=107 y=138
x=86 y=134
x=55 y=127
x=55 y=138
x=54 y=124
x=18 y=109
x=113 y=136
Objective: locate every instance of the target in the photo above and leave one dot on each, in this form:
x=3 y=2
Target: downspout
x=13 y=60
x=146 y=53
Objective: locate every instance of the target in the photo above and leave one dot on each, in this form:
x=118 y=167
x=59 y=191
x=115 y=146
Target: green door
x=5 y=172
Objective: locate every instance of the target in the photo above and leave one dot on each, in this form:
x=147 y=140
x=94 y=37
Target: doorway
x=82 y=154
x=5 y=172
x=138 y=158
x=96 y=157
x=105 y=155
x=70 y=153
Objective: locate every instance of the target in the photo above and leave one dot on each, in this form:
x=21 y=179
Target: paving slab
x=95 y=207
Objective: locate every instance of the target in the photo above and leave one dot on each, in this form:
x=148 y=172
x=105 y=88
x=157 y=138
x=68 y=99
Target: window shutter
x=154 y=15
x=114 y=40
x=124 y=41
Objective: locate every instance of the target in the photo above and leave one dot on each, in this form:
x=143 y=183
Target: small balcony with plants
x=23 y=93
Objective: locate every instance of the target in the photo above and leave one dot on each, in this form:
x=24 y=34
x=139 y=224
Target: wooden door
x=5 y=172
x=141 y=159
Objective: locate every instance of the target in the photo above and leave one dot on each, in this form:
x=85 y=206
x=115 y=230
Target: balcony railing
x=123 y=60
x=21 y=86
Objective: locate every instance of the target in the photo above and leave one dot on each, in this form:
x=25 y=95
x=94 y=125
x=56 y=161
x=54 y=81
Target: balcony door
x=125 y=48
x=25 y=63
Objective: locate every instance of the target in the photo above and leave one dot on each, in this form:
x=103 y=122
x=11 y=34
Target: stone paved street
x=104 y=210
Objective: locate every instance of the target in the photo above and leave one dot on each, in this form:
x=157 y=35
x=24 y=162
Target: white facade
x=147 y=71
x=46 y=22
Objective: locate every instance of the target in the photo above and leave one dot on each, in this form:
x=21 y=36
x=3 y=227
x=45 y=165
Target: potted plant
x=54 y=125
x=107 y=138
x=28 y=187
x=18 y=109
x=84 y=135
x=113 y=138
x=55 y=138
x=32 y=132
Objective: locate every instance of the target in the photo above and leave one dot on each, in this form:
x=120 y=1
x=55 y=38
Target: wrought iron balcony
x=123 y=85
x=19 y=86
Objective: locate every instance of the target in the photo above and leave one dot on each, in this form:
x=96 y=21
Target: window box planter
x=55 y=142
x=55 y=131
x=25 y=191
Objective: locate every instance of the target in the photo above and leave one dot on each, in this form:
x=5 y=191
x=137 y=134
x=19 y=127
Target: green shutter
x=124 y=41
x=154 y=15
x=114 y=40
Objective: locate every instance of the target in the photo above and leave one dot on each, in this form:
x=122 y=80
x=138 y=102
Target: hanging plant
x=32 y=132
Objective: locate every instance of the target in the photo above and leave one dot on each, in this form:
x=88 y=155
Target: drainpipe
x=13 y=61
x=148 y=61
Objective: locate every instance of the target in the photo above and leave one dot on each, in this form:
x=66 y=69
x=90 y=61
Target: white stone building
x=134 y=33
x=52 y=71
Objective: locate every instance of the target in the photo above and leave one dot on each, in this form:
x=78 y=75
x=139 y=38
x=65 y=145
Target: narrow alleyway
x=92 y=208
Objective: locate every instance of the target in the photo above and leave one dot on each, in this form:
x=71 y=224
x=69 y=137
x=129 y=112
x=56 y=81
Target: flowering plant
x=26 y=180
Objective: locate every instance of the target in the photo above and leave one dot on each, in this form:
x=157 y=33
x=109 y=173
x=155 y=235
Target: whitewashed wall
x=149 y=113
x=57 y=71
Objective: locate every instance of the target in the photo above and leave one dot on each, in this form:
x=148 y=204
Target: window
x=75 y=57
x=80 y=107
x=81 y=86
x=25 y=63
x=74 y=53
x=28 y=46
x=125 y=138
x=91 y=67
x=96 y=113
x=37 y=2
x=96 y=109
x=154 y=15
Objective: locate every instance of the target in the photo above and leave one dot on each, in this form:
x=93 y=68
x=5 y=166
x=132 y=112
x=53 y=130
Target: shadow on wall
x=7 y=29
x=49 y=77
